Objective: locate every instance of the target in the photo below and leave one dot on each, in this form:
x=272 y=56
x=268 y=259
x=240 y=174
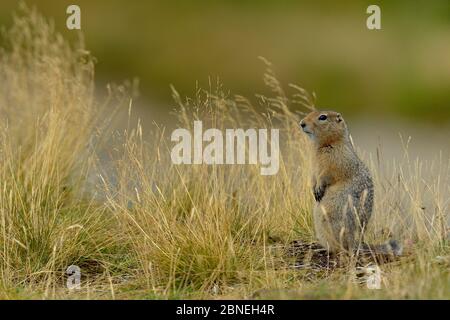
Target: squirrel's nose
x=302 y=124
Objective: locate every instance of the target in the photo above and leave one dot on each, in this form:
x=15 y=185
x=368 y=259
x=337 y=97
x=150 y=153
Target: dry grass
x=168 y=231
x=48 y=118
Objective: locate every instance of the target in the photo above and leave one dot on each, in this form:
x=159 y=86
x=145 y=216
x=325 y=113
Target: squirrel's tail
x=391 y=247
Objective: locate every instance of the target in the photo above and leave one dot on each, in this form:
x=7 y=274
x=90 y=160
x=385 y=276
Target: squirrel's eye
x=323 y=117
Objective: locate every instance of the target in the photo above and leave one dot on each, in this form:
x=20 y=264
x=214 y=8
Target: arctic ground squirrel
x=342 y=186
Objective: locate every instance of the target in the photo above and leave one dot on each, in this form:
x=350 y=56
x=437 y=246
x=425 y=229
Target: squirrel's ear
x=338 y=118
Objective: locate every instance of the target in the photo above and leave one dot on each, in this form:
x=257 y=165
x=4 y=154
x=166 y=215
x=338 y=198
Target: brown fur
x=342 y=184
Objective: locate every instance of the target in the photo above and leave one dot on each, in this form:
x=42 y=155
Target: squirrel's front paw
x=319 y=192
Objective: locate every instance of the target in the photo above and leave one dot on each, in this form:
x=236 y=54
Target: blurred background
x=387 y=82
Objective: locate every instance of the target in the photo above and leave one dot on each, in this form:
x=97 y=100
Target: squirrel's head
x=325 y=128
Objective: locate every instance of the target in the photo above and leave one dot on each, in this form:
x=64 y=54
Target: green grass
x=321 y=44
